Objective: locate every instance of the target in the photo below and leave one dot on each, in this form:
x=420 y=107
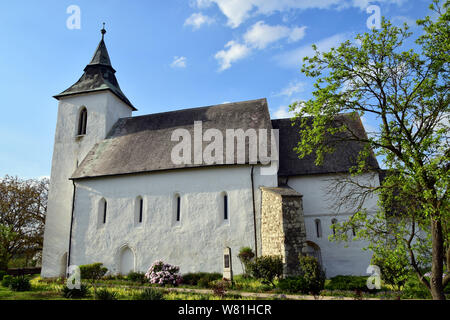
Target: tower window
x=225 y=207
x=318 y=228
x=82 y=122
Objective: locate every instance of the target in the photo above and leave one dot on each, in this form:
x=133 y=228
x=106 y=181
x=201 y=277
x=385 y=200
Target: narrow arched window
x=105 y=207
x=318 y=228
x=333 y=225
x=354 y=231
x=141 y=208
x=178 y=200
x=225 y=206
x=82 y=122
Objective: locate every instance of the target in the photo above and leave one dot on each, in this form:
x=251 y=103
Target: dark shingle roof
x=98 y=75
x=341 y=160
x=143 y=144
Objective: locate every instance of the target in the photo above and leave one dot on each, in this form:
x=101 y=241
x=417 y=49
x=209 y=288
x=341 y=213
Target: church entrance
x=314 y=251
x=126 y=261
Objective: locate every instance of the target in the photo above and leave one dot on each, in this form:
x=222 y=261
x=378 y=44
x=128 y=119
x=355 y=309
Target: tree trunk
x=437 y=290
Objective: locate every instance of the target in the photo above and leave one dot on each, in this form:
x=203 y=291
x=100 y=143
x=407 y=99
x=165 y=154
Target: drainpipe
x=254 y=213
x=71 y=223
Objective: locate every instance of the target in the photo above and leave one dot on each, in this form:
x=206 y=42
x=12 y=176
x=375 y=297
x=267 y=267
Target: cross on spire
x=103 y=31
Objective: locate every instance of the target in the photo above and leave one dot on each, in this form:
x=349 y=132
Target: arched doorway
x=63 y=266
x=313 y=250
x=126 y=260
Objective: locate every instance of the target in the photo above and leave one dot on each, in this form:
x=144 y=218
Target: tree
x=93 y=272
x=23 y=204
x=407 y=92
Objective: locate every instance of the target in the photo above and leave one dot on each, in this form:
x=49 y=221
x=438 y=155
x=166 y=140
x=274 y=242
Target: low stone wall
x=283 y=230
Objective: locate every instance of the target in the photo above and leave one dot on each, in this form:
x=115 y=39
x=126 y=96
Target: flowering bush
x=163 y=273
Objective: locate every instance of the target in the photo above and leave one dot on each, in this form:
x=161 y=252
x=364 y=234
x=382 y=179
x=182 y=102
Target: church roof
x=99 y=75
x=344 y=157
x=143 y=144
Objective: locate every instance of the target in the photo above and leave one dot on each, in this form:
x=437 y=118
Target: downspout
x=254 y=213
x=71 y=224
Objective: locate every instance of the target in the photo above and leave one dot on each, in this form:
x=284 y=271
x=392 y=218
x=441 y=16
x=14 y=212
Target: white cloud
x=292 y=87
x=178 y=62
x=282 y=112
x=260 y=35
x=196 y=20
x=237 y=11
x=294 y=58
x=257 y=37
x=235 y=52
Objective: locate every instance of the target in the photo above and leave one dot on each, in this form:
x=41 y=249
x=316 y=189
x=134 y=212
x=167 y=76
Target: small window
x=105 y=206
x=225 y=207
x=141 y=208
x=318 y=228
x=354 y=231
x=333 y=225
x=178 y=207
x=82 y=122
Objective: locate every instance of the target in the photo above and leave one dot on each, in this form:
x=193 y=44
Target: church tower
x=86 y=112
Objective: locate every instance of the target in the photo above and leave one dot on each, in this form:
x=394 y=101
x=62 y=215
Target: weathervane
x=103 y=31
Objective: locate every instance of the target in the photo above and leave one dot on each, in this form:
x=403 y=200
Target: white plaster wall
x=338 y=258
x=195 y=243
x=103 y=109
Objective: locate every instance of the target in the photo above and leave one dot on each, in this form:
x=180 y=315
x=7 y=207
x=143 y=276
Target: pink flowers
x=163 y=273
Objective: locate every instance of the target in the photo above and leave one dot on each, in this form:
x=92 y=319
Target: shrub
x=414 y=289
x=20 y=284
x=348 y=283
x=163 y=273
x=136 y=277
x=220 y=287
x=292 y=284
x=6 y=280
x=245 y=256
x=266 y=268
x=313 y=274
x=2 y=274
x=200 y=278
x=149 y=294
x=393 y=266
x=105 y=294
x=93 y=272
x=75 y=293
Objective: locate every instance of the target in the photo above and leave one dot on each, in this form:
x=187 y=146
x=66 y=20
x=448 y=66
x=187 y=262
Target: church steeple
x=98 y=75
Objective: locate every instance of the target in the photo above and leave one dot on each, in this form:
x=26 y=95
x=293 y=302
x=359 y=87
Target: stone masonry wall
x=283 y=230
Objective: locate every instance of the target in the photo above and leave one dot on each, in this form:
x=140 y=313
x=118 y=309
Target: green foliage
x=75 y=293
x=149 y=294
x=378 y=76
x=266 y=268
x=105 y=294
x=293 y=285
x=93 y=271
x=348 y=283
x=6 y=280
x=246 y=255
x=414 y=289
x=201 y=279
x=393 y=264
x=137 y=277
x=2 y=274
x=220 y=287
x=20 y=283
x=312 y=273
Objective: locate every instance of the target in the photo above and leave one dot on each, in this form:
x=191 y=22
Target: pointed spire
x=98 y=75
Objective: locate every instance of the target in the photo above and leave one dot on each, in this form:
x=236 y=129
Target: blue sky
x=168 y=55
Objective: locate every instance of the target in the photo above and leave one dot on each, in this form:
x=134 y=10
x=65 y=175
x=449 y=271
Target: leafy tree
x=246 y=255
x=312 y=273
x=266 y=268
x=407 y=92
x=23 y=204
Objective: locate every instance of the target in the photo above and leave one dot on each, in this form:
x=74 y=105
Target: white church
x=117 y=197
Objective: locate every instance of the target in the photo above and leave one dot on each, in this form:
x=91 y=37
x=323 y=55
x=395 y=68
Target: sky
x=169 y=55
